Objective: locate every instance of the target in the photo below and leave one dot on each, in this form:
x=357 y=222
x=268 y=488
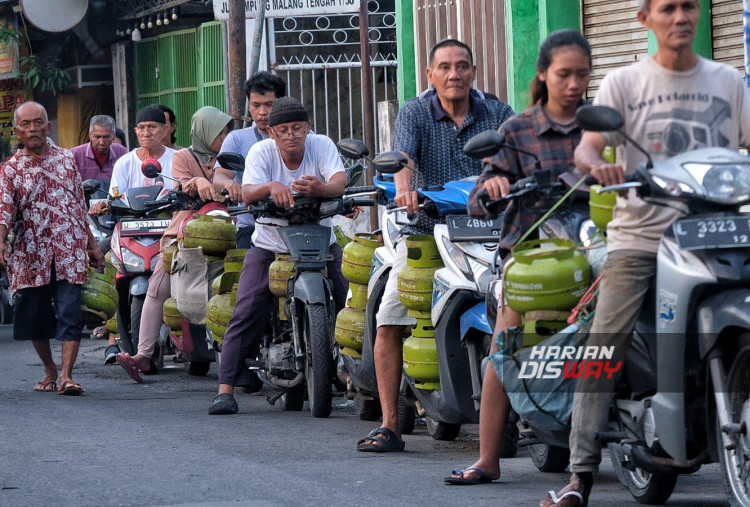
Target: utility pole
x=367 y=100
x=237 y=60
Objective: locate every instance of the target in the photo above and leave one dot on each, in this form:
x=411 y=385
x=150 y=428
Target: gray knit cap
x=287 y=110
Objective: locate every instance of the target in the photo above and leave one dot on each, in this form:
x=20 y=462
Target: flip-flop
x=391 y=442
x=557 y=499
x=129 y=366
x=70 y=388
x=463 y=481
x=49 y=386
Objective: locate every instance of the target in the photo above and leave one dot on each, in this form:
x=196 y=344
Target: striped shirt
x=552 y=142
x=426 y=133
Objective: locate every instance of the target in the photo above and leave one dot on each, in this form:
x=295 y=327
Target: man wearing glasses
x=293 y=159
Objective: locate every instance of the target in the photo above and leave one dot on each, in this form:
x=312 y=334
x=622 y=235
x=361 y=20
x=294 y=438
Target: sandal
x=46 y=386
x=110 y=354
x=581 y=496
x=128 y=364
x=70 y=388
x=381 y=440
x=482 y=478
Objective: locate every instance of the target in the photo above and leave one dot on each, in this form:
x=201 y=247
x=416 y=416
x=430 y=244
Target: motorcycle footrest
x=254 y=364
x=605 y=437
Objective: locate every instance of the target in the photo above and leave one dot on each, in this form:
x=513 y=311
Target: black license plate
x=143 y=227
x=708 y=233
x=466 y=228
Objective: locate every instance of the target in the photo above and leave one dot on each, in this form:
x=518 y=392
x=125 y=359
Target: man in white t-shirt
x=150 y=125
x=293 y=159
x=672 y=102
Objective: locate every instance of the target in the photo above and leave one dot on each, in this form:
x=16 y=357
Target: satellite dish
x=65 y=15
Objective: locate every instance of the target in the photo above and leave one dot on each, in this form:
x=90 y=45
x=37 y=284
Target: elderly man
x=97 y=158
x=292 y=160
x=47 y=256
x=262 y=90
x=431 y=131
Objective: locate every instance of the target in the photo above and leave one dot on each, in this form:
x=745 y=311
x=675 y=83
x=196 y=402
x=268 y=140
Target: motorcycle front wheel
x=442 y=430
x=319 y=365
x=549 y=458
x=647 y=488
x=735 y=463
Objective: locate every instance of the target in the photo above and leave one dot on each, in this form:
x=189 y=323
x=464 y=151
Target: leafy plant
x=41 y=76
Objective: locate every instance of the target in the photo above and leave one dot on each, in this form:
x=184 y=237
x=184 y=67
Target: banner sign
x=13 y=93
x=8 y=49
x=289 y=8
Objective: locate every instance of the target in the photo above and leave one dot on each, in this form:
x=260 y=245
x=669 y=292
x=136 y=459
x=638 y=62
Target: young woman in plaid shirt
x=547 y=129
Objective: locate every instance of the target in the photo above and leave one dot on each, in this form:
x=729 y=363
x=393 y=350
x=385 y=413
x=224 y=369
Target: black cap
x=150 y=113
x=287 y=110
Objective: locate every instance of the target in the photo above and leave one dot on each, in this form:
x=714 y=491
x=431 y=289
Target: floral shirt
x=42 y=206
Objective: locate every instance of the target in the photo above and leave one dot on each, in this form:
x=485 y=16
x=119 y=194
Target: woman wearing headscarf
x=193 y=167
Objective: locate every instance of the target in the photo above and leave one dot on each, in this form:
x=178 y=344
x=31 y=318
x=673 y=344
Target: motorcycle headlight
x=724 y=183
x=673 y=187
x=392 y=230
x=458 y=258
x=132 y=261
x=484 y=280
x=439 y=289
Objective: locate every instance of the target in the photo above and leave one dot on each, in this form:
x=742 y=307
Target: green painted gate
x=183 y=70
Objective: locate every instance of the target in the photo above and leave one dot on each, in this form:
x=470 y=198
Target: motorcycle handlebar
x=361 y=190
x=363 y=201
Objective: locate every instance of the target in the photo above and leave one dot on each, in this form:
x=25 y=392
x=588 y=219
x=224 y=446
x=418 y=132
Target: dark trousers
x=255 y=303
x=37 y=318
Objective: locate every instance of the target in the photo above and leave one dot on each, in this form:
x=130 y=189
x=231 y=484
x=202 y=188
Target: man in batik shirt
x=42 y=207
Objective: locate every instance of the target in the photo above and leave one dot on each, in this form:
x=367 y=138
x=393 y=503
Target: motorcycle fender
x=310 y=288
x=727 y=309
x=139 y=286
x=475 y=318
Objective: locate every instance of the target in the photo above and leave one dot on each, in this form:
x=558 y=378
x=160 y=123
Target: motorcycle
x=297 y=353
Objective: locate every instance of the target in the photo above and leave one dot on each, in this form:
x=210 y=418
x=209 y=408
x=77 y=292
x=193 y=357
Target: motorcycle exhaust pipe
x=660 y=465
x=282 y=382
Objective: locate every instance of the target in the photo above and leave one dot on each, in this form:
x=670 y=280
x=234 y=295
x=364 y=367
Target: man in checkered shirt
x=431 y=131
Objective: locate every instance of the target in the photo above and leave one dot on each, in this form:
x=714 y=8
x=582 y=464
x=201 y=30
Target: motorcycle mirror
x=232 y=161
x=484 y=144
x=390 y=162
x=599 y=118
x=91 y=186
x=151 y=168
x=354 y=175
x=352 y=149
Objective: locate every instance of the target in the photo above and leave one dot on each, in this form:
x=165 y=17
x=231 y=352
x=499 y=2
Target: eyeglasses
x=153 y=127
x=295 y=132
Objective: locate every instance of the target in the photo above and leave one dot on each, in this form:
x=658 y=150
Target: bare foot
x=575 y=494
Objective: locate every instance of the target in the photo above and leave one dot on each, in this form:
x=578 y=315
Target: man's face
x=673 y=21
x=31 y=126
x=290 y=137
x=101 y=138
x=150 y=134
x=451 y=73
x=259 y=106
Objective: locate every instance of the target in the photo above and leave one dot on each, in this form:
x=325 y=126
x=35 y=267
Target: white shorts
x=391 y=311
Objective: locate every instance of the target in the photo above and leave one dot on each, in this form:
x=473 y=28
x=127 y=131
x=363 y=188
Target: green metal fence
x=183 y=70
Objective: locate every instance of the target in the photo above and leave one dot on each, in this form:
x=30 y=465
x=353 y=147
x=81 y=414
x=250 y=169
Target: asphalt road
x=155 y=444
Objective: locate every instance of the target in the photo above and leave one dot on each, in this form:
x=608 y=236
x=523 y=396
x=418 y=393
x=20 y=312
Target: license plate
x=143 y=227
x=708 y=233
x=466 y=228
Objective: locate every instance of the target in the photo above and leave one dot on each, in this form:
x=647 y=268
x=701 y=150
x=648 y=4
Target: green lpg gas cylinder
x=111 y=325
x=234 y=259
x=233 y=295
x=214 y=234
x=279 y=273
x=171 y=315
x=420 y=353
x=355 y=264
x=358 y=301
x=350 y=331
x=415 y=280
x=218 y=313
x=167 y=255
x=224 y=283
x=99 y=298
x=546 y=274
x=601 y=206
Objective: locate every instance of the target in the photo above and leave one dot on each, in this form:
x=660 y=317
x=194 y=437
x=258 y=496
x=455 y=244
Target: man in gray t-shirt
x=672 y=102
x=262 y=90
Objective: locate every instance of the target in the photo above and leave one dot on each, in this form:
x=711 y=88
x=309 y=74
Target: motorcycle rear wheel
x=368 y=410
x=442 y=430
x=319 y=366
x=647 y=488
x=129 y=337
x=549 y=458
x=735 y=463
x=406 y=416
x=293 y=399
